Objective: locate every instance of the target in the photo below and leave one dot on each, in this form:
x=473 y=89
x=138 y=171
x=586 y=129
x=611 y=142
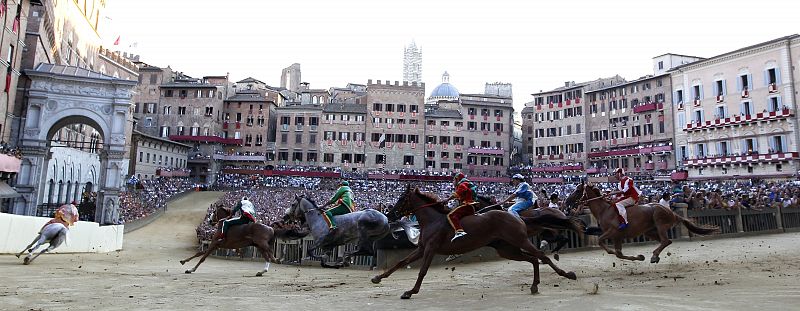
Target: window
x=168 y=93
x=181 y=111
x=377 y=107
x=297 y=156
x=771 y=76
x=150 y=108
x=380 y=159
x=390 y=107
x=166 y=110
x=721 y=112
x=697 y=116
x=408 y=160
x=777 y=144
x=165 y=131
x=311 y=157
x=298 y=138
x=775 y=104
x=700 y=151
x=148 y=122
x=347 y=158
x=283 y=156
x=679 y=96
x=697 y=92
x=413 y=108
x=284 y=138
x=577 y=128
x=329 y=135
x=327 y=158
x=312 y=139
x=660 y=65
x=722 y=148
x=344 y=136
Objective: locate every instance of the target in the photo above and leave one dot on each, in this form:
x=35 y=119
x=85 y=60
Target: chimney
x=566 y=84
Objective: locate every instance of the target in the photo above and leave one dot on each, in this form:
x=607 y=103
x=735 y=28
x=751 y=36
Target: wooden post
x=739 y=221
x=779 y=216
x=681 y=209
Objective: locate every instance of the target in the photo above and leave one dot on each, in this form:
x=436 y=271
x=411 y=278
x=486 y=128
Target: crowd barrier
x=732 y=223
x=17 y=231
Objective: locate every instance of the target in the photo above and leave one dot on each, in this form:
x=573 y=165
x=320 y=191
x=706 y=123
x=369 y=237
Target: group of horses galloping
x=504 y=232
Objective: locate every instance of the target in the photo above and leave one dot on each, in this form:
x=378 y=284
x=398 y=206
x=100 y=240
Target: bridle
x=584 y=200
x=414 y=210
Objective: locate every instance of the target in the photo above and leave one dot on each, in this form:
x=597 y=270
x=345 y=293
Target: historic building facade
x=395 y=113
x=735 y=113
x=152 y=157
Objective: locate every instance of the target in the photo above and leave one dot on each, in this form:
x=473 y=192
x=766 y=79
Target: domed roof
x=445 y=90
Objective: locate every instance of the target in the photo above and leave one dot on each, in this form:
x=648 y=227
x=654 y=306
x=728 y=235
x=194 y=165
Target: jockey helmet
x=344 y=183
x=518 y=177
x=459 y=176
x=619 y=170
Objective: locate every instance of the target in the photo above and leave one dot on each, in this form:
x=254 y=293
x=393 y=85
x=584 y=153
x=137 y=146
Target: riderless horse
x=55 y=232
x=500 y=230
x=653 y=220
x=365 y=227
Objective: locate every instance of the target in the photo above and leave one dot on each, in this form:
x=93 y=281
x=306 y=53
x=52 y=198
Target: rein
x=414 y=211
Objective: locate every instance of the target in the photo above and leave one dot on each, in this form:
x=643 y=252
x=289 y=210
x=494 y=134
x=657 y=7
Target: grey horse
x=55 y=234
x=365 y=227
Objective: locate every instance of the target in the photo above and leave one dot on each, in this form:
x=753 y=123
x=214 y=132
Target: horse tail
x=555 y=222
x=593 y=231
x=704 y=230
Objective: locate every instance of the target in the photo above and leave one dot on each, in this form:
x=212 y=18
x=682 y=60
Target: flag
x=382 y=141
x=116 y=42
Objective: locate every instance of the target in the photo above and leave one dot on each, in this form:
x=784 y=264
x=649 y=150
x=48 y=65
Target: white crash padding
x=17 y=231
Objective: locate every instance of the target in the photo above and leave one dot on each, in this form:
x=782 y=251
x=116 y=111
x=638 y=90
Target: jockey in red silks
x=465 y=193
x=629 y=196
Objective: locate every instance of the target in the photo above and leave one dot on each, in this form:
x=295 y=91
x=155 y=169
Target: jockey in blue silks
x=523 y=196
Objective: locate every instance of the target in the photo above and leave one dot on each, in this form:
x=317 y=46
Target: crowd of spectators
x=7 y=150
x=149 y=196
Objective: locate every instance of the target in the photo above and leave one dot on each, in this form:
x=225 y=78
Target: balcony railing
x=736 y=120
x=206 y=139
x=486 y=151
x=630 y=152
x=648 y=107
x=753 y=158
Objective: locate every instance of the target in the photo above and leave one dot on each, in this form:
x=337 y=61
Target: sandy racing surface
x=760 y=273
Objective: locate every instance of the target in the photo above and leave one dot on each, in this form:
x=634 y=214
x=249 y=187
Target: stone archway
x=62 y=95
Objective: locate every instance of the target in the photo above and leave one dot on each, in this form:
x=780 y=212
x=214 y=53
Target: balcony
x=648 y=107
x=255 y=158
x=745 y=93
x=9 y=164
x=680 y=175
x=558 y=168
x=773 y=88
x=486 y=151
x=206 y=139
x=649 y=166
x=720 y=98
x=661 y=165
x=630 y=152
x=743 y=159
x=740 y=120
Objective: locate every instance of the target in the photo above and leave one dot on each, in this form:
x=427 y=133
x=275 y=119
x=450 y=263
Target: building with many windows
x=735 y=113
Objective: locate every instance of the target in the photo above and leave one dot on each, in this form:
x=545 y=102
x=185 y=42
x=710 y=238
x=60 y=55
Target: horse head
x=218 y=214
x=297 y=209
x=575 y=196
x=402 y=206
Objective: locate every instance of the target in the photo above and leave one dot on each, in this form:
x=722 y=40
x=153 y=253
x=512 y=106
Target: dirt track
x=728 y=274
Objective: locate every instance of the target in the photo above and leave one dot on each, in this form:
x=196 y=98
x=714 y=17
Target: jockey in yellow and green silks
x=343 y=199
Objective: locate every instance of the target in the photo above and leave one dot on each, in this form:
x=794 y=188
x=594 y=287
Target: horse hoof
x=405 y=295
x=183 y=262
x=260 y=273
x=571 y=275
x=655 y=259
x=534 y=290
x=188 y=272
x=26 y=261
x=640 y=257
x=555 y=256
x=376 y=280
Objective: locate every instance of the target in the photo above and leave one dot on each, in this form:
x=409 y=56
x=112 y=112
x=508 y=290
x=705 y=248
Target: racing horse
x=54 y=233
x=545 y=223
x=365 y=226
x=253 y=234
x=500 y=230
x=653 y=220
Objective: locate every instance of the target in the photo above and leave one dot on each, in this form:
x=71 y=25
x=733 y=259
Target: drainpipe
x=788 y=50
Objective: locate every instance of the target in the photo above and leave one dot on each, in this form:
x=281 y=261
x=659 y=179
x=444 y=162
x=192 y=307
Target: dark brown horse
x=653 y=220
x=544 y=223
x=500 y=230
x=253 y=234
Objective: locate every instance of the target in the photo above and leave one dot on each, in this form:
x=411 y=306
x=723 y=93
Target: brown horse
x=545 y=223
x=653 y=220
x=500 y=230
x=253 y=234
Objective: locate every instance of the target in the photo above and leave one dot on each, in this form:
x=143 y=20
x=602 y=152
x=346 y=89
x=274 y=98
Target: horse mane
x=430 y=198
x=309 y=200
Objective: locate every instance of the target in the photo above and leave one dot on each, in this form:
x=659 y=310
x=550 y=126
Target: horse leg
x=527 y=246
x=412 y=257
x=618 y=252
x=560 y=241
x=510 y=252
x=28 y=248
x=195 y=256
x=266 y=252
x=426 y=263
x=601 y=241
x=662 y=237
x=29 y=260
x=210 y=249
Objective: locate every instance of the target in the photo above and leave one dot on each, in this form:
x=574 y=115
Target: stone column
x=30 y=181
x=107 y=211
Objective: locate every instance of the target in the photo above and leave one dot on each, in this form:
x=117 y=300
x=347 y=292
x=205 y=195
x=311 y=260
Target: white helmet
x=518 y=177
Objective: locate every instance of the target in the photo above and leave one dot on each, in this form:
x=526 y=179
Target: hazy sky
x=536 y=45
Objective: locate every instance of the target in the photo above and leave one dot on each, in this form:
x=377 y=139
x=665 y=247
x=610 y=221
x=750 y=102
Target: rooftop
x=443 y=113
x=345 y=108
x=785 y=38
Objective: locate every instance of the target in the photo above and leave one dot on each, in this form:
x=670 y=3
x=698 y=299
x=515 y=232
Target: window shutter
x=780 y=104
x=739 y=84
x=750 y=82
x=724 y=87
x=701 y=92
x=742 y=109
x=777 y=76
x=744 y=146
x=755 y=144
x=675 y=98
x=786 y=142
x=719 y=148
x=766 y=77
x=714 y=88
x=772 y=143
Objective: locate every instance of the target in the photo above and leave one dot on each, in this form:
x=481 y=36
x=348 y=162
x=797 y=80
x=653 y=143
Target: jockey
x=343 y=198
x=523 y=196
x=630 y=195
x=465 y=193
x=247 y=211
